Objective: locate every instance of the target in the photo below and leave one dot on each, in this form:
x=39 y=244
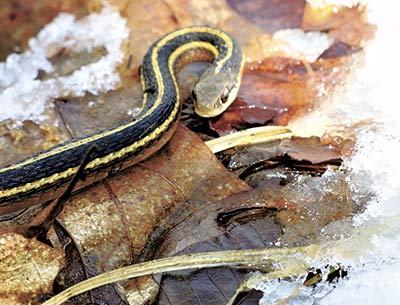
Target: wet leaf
x=27 y=269
x=310 y=149
x=202 y=231
x=347 y=24
x=280 y=162
x=276 y=91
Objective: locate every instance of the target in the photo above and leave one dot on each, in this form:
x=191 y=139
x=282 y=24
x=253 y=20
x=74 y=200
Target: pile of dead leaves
x=185 y=199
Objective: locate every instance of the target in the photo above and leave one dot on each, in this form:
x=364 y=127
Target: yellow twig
x=249 y=137
x=261 y=258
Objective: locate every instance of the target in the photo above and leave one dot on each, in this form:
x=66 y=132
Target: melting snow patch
x=301 y=45
x=23 y=97
x=325 y=3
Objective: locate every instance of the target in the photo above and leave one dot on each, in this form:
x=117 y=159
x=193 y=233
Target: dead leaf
x=184 y=173
x=201 y=231
x=278 y=163
x=310 y=149
x=29 y=138
x=323 y=203
x=271 y=15
x=110 y=222
x=27 y=269
x=77 y=271
x=141 y=16
x=339 y=49
x=347 y=24
x=92 y=113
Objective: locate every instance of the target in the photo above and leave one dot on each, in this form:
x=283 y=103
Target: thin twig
x=250 y=136
x=42 y=229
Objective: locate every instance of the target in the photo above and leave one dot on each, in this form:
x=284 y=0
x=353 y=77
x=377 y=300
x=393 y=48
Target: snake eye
x=224 y=98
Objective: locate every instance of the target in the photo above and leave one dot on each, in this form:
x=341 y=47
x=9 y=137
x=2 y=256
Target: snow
x=338 y=3
x=24 y=97
x=372 y=252
x=301 y=45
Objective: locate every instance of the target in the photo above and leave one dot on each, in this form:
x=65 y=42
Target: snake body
x=44 y=176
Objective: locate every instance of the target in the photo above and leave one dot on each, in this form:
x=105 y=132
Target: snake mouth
x=208 y=112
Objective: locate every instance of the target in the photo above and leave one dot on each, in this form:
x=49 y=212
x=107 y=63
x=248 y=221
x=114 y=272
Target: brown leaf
x=310 y=149
x=250 y=22
x=92 y=113
x=141 y=16
x=339 y=49
x=28 y=269
x=271 y=15
x=110 y=222
x=306 y=211
x=220 y=14
x=202 y=231
x=207 y=228
x=328 y=16
x=323 y=204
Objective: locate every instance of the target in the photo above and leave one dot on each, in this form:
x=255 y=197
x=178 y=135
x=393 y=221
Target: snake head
x=214 y=93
